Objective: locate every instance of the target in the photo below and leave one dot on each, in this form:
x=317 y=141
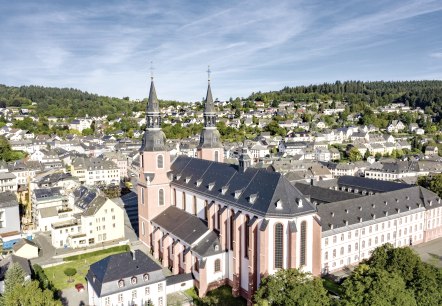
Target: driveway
x=71 y=297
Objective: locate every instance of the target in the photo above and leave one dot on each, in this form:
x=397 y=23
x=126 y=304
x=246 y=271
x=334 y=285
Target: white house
x=129 y=278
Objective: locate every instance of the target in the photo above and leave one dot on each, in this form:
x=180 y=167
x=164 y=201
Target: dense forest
x=423 y=94
x=68 y=102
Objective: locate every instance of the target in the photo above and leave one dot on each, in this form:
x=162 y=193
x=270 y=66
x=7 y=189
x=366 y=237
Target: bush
x=125 y=248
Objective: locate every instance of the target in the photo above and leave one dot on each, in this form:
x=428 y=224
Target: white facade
x=134 y=295
x=349 y=245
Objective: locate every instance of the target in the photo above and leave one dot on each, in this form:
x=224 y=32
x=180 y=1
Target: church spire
x=154 y=138
x=210 y=137
x=153 y=109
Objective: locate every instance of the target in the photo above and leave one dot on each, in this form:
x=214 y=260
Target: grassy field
x=223 y=296
x=60 y=280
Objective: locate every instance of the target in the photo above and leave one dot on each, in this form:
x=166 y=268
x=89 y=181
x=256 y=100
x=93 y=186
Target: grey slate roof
x=47 y=193
x=186 y=227
x=324 y=195
x=88 y=199
x=369 y=184
x=269 y=187
x=334 y=215
x=208 y=246
x=8 y=199
x=9 y=259
x=178 y=278
x=108 y=271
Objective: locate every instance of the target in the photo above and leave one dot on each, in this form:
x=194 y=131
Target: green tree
x=354 y=155
x=28 y=295
x=87 y=132
x=15 y=276
x=376 y=287
x=291 y=287
x=433 y=183
x=69 y=272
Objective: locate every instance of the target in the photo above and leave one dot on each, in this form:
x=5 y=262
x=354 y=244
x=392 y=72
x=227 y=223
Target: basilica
x=235 y=224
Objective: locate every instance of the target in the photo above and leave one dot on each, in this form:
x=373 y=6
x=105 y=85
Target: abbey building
x=234 y=224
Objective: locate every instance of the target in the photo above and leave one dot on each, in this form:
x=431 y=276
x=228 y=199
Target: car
x=133 y=174
x=79 y=287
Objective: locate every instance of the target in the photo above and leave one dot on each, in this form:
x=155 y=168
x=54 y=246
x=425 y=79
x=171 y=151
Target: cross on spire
x=151 y=70
x=208 y=73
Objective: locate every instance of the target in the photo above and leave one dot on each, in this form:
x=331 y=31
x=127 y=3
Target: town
x=245 y=189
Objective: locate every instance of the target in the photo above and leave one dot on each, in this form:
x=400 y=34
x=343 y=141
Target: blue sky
x=106 y=47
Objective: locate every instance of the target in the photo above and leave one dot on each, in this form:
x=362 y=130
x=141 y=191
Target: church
x=234 y=224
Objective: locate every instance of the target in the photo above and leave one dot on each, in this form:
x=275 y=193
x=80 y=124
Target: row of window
x=376 y=241
x=376 y=229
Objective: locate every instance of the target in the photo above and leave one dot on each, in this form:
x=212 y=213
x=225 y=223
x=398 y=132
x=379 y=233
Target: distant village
x=64 y=186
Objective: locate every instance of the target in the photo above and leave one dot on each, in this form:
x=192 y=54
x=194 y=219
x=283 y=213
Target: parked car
x=79 y=287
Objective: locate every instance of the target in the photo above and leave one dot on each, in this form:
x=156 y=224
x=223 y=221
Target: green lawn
x=60 y=280
x=331 y=286
x=221 y=296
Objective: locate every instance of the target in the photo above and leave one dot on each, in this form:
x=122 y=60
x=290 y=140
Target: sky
x=106 y=47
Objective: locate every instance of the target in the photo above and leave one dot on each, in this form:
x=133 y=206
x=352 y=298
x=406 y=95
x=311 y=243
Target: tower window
x=216 y=156
x=160 y=161
x=161 y=197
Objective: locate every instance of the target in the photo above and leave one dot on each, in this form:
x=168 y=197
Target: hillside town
x=301 y=176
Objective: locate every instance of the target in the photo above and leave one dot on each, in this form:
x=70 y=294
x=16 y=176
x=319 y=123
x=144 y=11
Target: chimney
x=133 y=255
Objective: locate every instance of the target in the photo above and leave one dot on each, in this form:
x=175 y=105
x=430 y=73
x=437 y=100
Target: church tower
x=153 y=182
x=210 y=147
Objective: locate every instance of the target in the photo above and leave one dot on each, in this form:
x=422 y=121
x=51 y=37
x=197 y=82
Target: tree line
x=423 y=94
x=69 y=102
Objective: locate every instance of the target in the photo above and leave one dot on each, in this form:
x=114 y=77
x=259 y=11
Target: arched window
x=217 y=265
x=303 y=244
x=278 y=245
x=197 y=266
x=195 y=208
x=246 y=237
x=184 y=201
x=231 y=229
x=206 y=210
x=160 y=161
x=216 y=156
x=161 y=197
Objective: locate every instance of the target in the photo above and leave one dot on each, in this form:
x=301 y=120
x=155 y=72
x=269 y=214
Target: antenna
x=208 y=73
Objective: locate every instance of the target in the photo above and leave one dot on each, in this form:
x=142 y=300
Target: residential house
x=130 y=278
x=9 y=219
x=89 y=219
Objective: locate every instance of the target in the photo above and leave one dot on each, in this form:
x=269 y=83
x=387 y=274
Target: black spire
x=210 y=137
x=154 y=138
x=153 y=119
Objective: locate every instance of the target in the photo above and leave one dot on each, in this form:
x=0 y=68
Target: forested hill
x=67 y=102
x=357 y=93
